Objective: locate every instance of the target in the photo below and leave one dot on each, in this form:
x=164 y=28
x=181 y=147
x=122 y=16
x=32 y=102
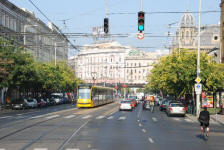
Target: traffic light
x=141 y=20
x=106 y=25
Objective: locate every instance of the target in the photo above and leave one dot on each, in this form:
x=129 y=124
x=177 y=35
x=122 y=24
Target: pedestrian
x=204 y=118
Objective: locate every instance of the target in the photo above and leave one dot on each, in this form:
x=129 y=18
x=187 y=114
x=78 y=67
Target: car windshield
x=84 y=93
x=176 y=105
x=29 y=100
x=123 y=102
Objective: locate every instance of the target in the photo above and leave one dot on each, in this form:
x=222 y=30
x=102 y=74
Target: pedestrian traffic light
x=141 y=20
x=106 y=25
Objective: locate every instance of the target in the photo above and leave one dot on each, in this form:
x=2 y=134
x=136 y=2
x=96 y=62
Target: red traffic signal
x=141 y=20
x=106 y=25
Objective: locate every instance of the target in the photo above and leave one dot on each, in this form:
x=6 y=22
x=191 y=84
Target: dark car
x=19 y=104
x=163 y=105
x=146 y=105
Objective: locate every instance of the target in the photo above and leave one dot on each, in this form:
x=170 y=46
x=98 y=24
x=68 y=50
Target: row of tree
x=175 y=74
x=19 y=70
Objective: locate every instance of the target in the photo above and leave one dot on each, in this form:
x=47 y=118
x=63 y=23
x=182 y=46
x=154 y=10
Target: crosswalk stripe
x=86 y=117
x=70 y=116
x=122 y=118
x=72 y=149
x=111 y=117
x=38 y=116
x=100 y=117
x=2 y=149
x=54 y=116
x=154 y=119
x=4 y=118
x=40 y=149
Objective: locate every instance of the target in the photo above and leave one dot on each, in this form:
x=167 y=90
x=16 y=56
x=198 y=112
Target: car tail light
x=170 y=108
x=185 y=108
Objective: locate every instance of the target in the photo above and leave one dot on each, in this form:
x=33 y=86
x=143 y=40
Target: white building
x=110 y=62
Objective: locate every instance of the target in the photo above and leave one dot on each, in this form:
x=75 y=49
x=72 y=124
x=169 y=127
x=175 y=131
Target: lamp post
x=198 y=58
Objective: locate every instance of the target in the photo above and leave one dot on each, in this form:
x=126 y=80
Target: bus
x=89 y=95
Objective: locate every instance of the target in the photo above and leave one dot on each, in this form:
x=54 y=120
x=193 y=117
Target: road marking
x=54 y=116
x=2 y=149
x=111 y=117
x=40 y=149
x=72 y=149
x=154 y=119
x=86 y=117
x=151 y=140
x=19 y=114
x=143 y=130
x=140 y=124
x=122 y=118
x=4 y=118
x=188 y=120
x=176 y=119
x=70 y=116
x=100 y=117
x=38 y=116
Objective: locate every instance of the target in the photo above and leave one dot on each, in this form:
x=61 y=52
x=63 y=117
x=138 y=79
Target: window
x=215 y=38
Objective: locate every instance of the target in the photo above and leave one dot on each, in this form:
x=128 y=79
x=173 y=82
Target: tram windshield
x=84 y=93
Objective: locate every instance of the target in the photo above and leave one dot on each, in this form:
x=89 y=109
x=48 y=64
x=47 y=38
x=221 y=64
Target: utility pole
x=141 y=8
x=198 y=59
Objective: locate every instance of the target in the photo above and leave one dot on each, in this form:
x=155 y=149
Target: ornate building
x=110 y=62
x=187 y=33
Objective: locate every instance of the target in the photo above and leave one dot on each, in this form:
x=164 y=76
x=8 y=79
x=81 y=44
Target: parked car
x=176 y=108
x=19 y=104
x=31 y=102
x=126 y=105
x=57 y=98
x=40 y=102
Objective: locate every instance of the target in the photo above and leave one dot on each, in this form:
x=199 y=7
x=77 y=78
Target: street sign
x=198 y=80
x=198 y=88
x=140 y=36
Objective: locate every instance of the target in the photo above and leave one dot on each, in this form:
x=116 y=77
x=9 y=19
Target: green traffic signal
x=141 y=28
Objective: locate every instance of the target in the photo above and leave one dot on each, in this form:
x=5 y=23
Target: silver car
x=176 y=109
x=125 y=105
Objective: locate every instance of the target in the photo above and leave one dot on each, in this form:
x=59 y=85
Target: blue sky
x=82 y=15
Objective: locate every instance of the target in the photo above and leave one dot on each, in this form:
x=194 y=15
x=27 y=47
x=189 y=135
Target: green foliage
x=175 y=74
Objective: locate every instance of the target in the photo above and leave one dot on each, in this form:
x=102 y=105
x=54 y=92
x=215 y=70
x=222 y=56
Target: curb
x=195 y=120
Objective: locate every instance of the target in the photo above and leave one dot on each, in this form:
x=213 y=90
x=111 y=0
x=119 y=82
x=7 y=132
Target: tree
x=175 y=74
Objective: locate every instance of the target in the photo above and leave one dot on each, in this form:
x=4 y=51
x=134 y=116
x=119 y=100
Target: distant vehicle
x=163 y=105
x=176 y=109
x=30 y=102
x=146 y=105
x=19 y=104
x=126 y=105
x=57 y=98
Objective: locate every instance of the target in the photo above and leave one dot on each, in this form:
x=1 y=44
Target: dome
x=187 y=20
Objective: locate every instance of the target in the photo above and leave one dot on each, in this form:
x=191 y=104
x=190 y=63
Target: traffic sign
x=140 y=36
x=198 y=88
x=198 y=80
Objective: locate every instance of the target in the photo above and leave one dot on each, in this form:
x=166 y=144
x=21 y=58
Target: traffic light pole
x=141 y=5
x=106 y=8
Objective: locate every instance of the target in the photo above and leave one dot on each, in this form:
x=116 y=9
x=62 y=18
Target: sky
x=82 y=15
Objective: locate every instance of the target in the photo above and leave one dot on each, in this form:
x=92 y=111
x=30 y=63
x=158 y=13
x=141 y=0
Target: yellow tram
x=89 y=95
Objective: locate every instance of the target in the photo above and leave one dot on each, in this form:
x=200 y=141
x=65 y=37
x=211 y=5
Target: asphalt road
x=65 y=127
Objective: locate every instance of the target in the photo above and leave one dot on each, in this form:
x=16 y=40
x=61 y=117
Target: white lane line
x=122 y=118
x=40 y=149
x=38 y=116
x=111 y=117
x=2 y=149
x=140 y=124
x=19 y=114
x=4 y=118
x=154 y=119
x=176 y=119
x=151 y=140
x=72 y=149
x=54 y=116
x=143 y=130
x=86 y=117
x=70 y=116
x=100 y=117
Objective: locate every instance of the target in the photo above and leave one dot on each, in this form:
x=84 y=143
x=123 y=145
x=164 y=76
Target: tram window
x=84 y=93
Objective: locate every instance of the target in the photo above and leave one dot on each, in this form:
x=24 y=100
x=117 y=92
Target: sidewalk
x=214 y=119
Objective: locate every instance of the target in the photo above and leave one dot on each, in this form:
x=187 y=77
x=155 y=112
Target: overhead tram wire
x=52 y=22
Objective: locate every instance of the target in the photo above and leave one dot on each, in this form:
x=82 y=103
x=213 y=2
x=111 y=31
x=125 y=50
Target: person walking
x=204 y=118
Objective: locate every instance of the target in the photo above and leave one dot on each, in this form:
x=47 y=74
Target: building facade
x=45 y=42
x=112 y=63
x=221 y=58
x=186 y=36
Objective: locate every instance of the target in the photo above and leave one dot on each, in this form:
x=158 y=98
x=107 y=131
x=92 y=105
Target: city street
x=65 y=127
